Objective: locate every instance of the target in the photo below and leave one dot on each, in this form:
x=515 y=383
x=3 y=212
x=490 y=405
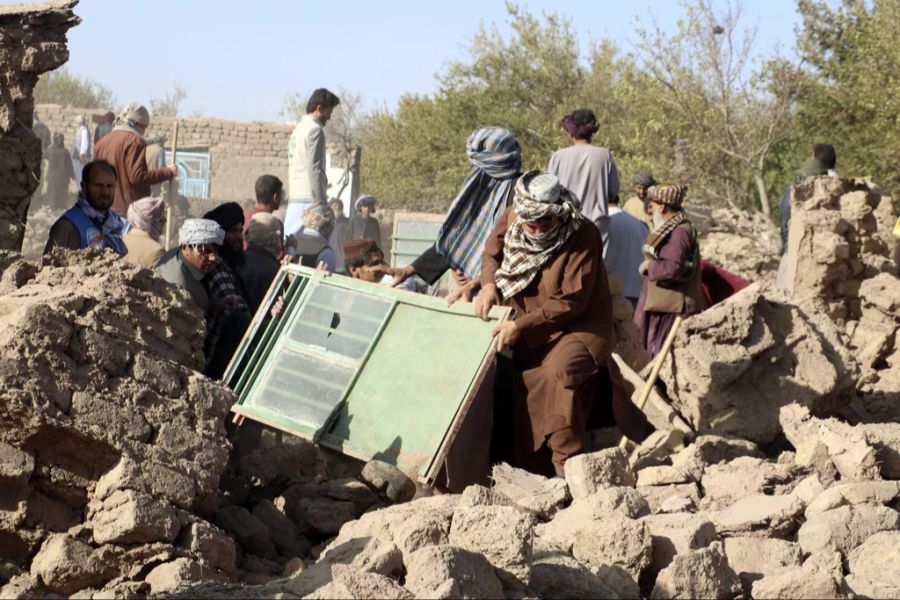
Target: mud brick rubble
x=121 y=474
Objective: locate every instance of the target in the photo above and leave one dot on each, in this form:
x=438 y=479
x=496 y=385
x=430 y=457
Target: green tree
x=415 y=157
x=63 y=88
x=850 y=97
x=728 y=115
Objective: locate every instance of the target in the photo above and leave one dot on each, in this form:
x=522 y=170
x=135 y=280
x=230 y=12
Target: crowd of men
x=541 y=242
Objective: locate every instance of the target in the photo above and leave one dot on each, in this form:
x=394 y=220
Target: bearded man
x=544 y=259
x=91 y=222
x=229 y=311
x=672 y=284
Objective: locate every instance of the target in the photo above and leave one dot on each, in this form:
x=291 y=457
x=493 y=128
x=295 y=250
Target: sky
x=240 y=59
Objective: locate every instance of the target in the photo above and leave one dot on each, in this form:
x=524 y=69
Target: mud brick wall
x=32 y=41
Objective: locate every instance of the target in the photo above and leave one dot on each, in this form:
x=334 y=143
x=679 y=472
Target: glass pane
x=341 y=321
x=302 y=388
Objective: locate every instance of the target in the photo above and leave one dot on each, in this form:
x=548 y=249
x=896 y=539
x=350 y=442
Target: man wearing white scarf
x=125 y=148
x=199 y=243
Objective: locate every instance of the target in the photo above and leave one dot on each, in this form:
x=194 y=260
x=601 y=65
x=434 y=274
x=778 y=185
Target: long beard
x=658 y=221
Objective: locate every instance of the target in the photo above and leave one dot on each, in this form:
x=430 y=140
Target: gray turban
x=644 y=178
x=365 y=200
x=196 y=232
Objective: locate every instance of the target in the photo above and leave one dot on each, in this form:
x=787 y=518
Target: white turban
x=134 y=114
x=196 y=232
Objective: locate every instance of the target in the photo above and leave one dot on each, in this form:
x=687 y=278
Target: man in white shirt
x=81 y=147
x=307 y=183
x=622 y=252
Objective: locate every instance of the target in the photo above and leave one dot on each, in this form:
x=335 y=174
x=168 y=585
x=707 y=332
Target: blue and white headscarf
x=488 y=190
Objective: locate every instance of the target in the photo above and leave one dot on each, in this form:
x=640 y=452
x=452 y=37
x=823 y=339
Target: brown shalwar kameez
x=565 y=320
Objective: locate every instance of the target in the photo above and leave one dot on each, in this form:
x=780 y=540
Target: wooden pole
x=660 y=359
x=172 y=189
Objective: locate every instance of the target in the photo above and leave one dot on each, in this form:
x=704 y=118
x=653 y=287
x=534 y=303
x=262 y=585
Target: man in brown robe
x=544 y=259
x=125 y=148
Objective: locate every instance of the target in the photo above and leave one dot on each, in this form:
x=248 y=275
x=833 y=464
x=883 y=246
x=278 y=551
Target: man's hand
x=401 y=274
x=489 y=298
x=644 y=269
x=505 y=334
x=277 y=307
x=460 y=278
x=464 y=292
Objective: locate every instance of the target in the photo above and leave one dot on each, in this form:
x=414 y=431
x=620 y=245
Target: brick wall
x=240 y=151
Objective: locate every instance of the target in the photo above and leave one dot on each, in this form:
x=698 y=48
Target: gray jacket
x=176 y=270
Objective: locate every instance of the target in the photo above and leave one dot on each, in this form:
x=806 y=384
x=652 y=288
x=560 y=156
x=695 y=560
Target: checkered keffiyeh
x=488 y=190
x=220 y=284
x=524 y=254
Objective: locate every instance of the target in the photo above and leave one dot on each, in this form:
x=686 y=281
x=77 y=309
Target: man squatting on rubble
x=544 y=259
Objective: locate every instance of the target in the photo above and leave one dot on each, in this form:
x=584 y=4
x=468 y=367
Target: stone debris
x=587 y=473
x=616 y=540
x=745 y=243
x=733 y=366
x=875 y=566
x=534 y=493
x=777 y=477
x=702 y=573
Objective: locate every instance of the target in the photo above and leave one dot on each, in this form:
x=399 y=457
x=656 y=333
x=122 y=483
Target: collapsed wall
x=32 y=41
x=111 y=444
x=734 y=365
x=745 y=243
x=839 y=258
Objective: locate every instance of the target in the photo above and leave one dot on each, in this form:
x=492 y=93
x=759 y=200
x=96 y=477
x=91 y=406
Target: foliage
x=415 y=157
x=729 y=114
x=688 y=106
x=850 y=98
x=168 y=105
x=63 y=88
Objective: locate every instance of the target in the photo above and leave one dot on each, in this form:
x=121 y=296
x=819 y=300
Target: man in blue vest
x=91 y=222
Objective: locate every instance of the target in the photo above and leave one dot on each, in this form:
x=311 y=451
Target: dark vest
x=309 y=248
x=684 y=296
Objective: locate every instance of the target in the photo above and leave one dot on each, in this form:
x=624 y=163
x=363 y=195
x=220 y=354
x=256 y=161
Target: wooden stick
x=172 y=189
x=660 y=359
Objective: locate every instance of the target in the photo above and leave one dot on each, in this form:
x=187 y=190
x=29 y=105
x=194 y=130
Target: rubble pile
x=32 y=41
x=716 y=519
x=114 y=462
x=745 y=243
x=735 y=364
x=111 y=445
x=840 y=258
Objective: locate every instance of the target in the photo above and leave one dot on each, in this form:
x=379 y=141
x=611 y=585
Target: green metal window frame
x=354 y=420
